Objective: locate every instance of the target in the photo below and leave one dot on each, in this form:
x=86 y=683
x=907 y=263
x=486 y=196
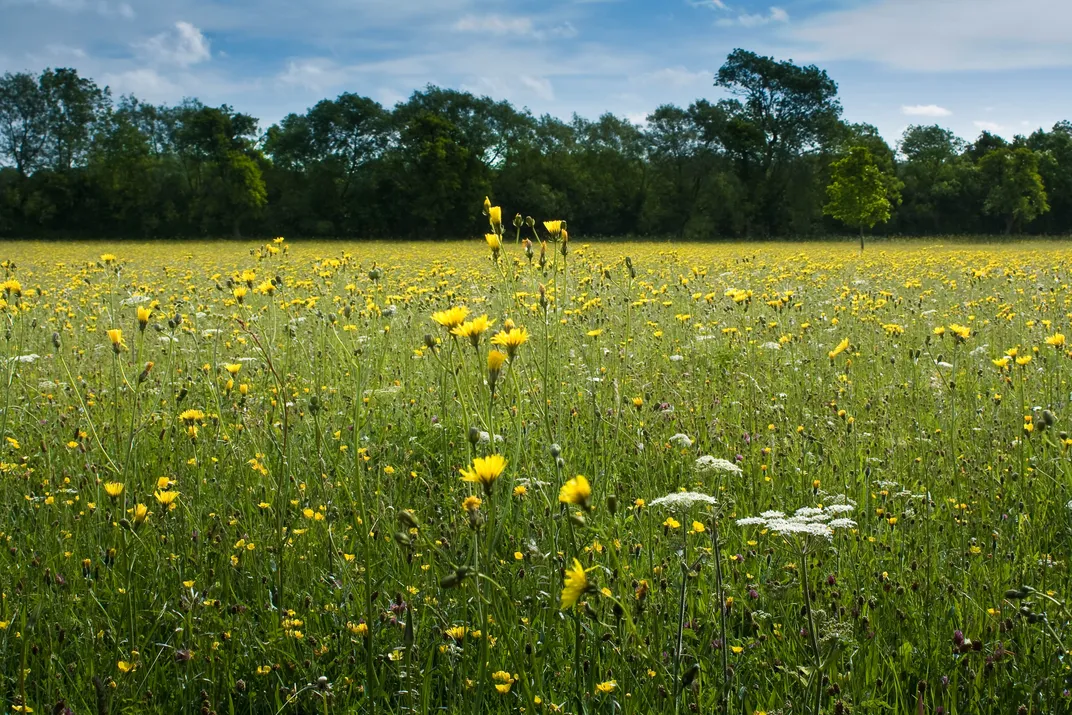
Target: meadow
x=328 y=477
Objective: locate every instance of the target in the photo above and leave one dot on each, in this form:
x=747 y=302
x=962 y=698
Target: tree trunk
x=861 y=239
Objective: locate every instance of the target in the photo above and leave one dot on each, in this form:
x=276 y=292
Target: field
x=736 y=478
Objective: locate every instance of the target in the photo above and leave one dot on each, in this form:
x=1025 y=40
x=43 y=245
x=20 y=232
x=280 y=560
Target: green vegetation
x=397 y=478
x=75 y=161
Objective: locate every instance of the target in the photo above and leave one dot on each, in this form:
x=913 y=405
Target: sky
x=968 y=65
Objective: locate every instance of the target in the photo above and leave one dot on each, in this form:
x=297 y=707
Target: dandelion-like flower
x=452 y=317
x=510 y=339
x=839 y=348
x=575 y=585
x=576 y=491
x=473 y=329
x=485 y=470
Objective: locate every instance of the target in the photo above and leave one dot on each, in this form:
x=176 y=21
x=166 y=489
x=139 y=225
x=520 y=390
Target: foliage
x=858 y=191
x=755 y=164
x=1015 y=186
x=487 y=476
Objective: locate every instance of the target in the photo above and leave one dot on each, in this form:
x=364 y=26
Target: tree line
x=774 y=159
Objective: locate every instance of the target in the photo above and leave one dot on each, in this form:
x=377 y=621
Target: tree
x=1016 y=190
x=783 y=110
x=858 y=192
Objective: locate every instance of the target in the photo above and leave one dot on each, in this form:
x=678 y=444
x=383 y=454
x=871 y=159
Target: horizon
x=584 y=57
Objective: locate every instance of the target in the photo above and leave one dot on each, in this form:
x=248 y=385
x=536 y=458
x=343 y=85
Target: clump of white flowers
x=805 y=521
x=709 y=465
x=683 y=500
x=681 y=440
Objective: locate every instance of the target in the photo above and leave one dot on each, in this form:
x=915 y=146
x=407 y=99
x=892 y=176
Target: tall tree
x=1016 y=189
x=858 y=192
x=782 y=110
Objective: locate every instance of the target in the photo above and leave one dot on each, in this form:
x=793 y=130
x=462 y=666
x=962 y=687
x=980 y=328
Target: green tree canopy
x=1016 y=191
x=858 y=191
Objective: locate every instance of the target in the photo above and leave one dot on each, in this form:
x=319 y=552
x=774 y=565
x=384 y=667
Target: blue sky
x=966 y=64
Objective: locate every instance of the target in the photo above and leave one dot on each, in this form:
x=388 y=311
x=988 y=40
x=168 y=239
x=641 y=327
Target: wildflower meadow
x=528 y=474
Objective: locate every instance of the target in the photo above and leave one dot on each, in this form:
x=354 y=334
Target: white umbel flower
x=707 y=464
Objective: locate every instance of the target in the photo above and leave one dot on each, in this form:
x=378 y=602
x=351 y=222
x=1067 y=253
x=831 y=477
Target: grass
x=289 y=426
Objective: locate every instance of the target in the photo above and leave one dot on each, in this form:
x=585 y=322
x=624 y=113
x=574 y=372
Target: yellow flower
x=473 y=329
x=495 y=361
x=638 y=402
x=1056 y=340
x=575 y=586
x=576 y=491
x=143 y=316
x=163 y=483
x=697 y=527
x=125 y=667
x=485 y=470
x=672 y=523
x=495 y=218
x=233 y=368
x=503 y=681
x=554 y=228
x=510 y=339
x=1023 y=360
x=240 y=293
x=840 y=348
x=113 y=489
x=607 y=686
x=456 y=633
x=960 y=332
x=595 y=333
x=471 y=504
x=167 y=498
x=191 y=416
x=358 y=629
x=141 y=513
x=1001 y=362
x=116 y=336
x=494 y=242
x=452 y=317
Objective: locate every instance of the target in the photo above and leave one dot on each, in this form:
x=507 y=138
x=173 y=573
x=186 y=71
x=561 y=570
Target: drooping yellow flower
x=452 y=317
x=473 y=329
x=485 y=470
x=510 y=339
x=115 y=335
x=840 y=348
x=494 y=242
x=575 y=585
x=576 y=491
x=113 y=489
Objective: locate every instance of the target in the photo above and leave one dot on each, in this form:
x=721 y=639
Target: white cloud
x=925 y=110
x=712 y=4
x=925 y=35
x=992 y=127
x=540 y=86
x=184 y=46
x=494 y=25
x=776 y=14
x=313 y=73
x=674 y=76
x=146 y=84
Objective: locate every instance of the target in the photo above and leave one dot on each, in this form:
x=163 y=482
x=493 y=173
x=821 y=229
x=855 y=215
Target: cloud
x=144 y=83
x=494 y=25
x=925 y=110
x=313 y=73
x=712 y=4
x=929 y=36
x=540 y=86
x=185 y=46
x=776 y=14
x=992 y=127
x=674 y=77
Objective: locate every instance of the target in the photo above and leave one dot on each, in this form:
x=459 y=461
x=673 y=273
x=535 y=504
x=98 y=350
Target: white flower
x=681 y=440
x=676 y=358
x=806 y=521
x=707 y=464
x=683 y=500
